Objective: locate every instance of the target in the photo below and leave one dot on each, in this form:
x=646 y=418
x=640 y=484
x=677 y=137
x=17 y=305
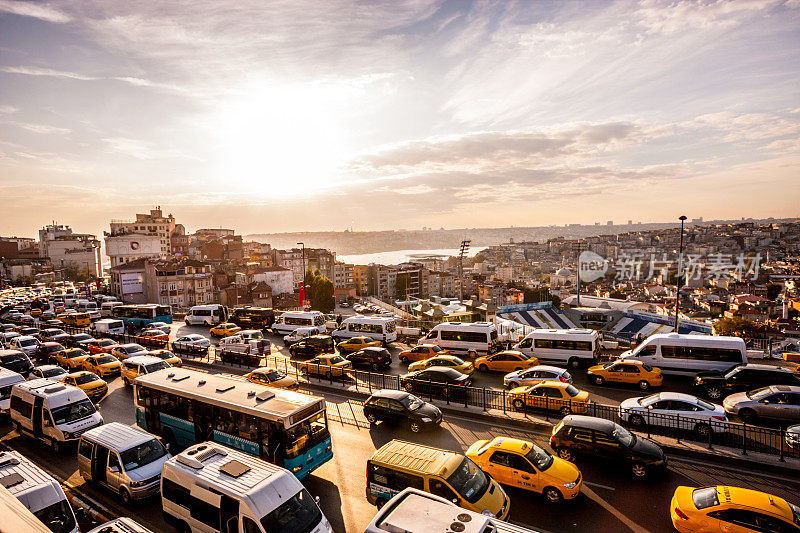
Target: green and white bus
x=186 y=407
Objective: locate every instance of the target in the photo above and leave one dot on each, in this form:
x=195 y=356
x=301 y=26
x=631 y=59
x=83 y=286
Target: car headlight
x=570 y=485
x=425 y=419
x=138 y=483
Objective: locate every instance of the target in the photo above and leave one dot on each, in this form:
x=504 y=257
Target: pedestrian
x=339 y=319
x=638 y=339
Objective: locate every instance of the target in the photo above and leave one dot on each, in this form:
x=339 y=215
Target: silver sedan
x=781 y=402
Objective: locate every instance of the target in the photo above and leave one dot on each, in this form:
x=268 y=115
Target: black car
x=374 y=357
x=46 y=335
x=27 y=330
x=716 y=385
x=447 y=382
x=312 y=346
x=17 y=361
x=6 y=327
x=608 y=442
x=46 y=351
x=399 y=407
x=79 y=340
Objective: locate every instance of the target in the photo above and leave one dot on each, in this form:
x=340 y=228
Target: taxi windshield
x=469 y=481
x=85 y=378
x=539 y=458
x=274 y=375
x=105 y=359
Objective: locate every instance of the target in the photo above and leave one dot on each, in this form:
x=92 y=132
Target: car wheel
x=513 y=384
x=483 y=368
x=747 y=415
x=574 y=363
x=636 y=420
x=518 y=404
x=552 y=495
x=714 y=393
x=375 y=367
x=328 y=374
x=644 y=385
x=566 y=454
x=702 y=429
x=598 y=380
x=409 y=387
x=414 y=427
x=372 y=419
x=56 y=446
x=186 y=322
x=125 y=495
x=566 y=410
x=639 y=470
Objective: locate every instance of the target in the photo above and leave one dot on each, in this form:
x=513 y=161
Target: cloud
x=38 y=128
x=7 y=109
x=657 y=16
x=37 y=10
x=36 y=71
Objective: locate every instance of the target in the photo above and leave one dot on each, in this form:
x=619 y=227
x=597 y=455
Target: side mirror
x=47 y=423
x=316 y=499
x=455 y=501
x=80 y=514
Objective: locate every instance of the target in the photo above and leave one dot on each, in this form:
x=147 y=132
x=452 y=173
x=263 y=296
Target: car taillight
x=563 y=379
x=681 y=514
x=719 y=418
x=552 y=438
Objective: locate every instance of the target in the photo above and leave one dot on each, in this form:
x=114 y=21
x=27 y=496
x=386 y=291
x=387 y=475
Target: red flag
x=302 y=293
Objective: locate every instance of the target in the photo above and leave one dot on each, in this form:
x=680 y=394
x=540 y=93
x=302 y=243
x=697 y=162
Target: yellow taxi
x=328 y=365
x=272 y=377
x=103 y=365
x=226 y=329
x=35 y=312
x=506 y=361
x=552 y=396
x=421 y=352
x=523 y=464
x=94 y=387
x=75 y=319
x=167 y=356
x=354 y=344
x=734 y=509
x=627 y=371
x=448 y=361
x=71 y=358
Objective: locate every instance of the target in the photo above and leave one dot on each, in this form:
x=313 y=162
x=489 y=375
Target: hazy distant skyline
x=298 y=115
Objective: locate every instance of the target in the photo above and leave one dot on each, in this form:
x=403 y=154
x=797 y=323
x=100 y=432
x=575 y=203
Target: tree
x=323 y=292
x=737 y=327
x=773 y=290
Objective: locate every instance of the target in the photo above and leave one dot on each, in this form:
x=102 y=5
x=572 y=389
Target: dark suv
x=608 y=442
x=17 y=361
x=716 y=385
x=399 y=407
x=46 y=351
x=312 y=346
x=374 y=357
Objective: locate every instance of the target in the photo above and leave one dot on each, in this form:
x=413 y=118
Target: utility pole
x=578 y=248
x=678 y=278
x=462 y=251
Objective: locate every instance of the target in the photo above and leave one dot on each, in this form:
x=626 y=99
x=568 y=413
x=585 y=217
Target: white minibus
x=573 y=347
x=37 y=491
x=107 y=308
x=121 y=525
x=291 y=320
x=8 y=378
x=208 y=315
x=210 y=487
x=464 y=337
x=113 y=326
x=382 y=329
x=51 y=411
x=417 y=511
x=688 y=355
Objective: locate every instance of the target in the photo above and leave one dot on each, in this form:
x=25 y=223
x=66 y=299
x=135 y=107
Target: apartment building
x=149 y=236
x=64 y=248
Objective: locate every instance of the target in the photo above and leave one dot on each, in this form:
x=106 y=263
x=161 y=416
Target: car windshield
x=85 y=378
x=13 y=358
x=72 y=412
x=759 y=394
x=457 y=361
x=57 y=517
x=133 y=348
x=436 y=349
x=623 y=436
x=647 y=367
x=647 y=400
x=155 y=366
x=105 y=359
x=705 y=405
x=81 y=337
x=53 y=372
x=705 y=497
x=539 y=458
x=469 y=481
x=27 y=342
x=412 y=403
x=141 y=455
x=76 y=353
x=299 y=514
x=572 y=391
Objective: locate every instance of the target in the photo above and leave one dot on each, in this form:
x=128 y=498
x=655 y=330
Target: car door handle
x=525 y=477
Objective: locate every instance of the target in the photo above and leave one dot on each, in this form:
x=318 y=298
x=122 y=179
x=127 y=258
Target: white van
x=88 y=306
x=422 y=512
x=573 y=347
x=464 y=337
x=122 y=458
x=37 y=491
x=291 y=320
x=299 y=334
x=382 y=329
x=112 y=326
x=107 y=308
x=121 y=525
x=208 y=315
x=688 y=355
x=210 y=487
x=51 y=411
x=8 y=379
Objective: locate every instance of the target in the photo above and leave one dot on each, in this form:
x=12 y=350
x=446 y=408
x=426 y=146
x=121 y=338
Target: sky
x=301 y=115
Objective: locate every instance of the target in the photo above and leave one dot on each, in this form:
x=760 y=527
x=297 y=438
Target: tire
x=328 y=375
x=639 y=470
x=637 y=421
x=518 y=404
x=598 y=380
x=187 y=323
x=552 y=495
x=125 y=496
x=414 y=427
x=57 y=446
x=404 y=360
x=513 y=385
x=747 y=415
x=713 y=393
x=409 y=387
x=702 y=429
x=574 y=363
x=483 y=368
x=372 y=419
x=375 y=367
x=566 y=410
x=644 y=385
x=566 y=454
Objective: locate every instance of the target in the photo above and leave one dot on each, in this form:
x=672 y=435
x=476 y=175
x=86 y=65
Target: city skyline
x=305 y=117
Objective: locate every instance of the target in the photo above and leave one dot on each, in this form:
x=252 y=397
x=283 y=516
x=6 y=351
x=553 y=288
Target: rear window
x=572 y=391
x=705 y=497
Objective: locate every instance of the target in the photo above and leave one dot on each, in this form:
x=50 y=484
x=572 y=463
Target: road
x=610 y=500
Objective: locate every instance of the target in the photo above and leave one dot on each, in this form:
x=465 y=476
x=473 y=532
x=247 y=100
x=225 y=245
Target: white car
x=674 y=410
x=536 y=374
x=24 y=343
x=193 y=340
x=163 y=326
x=53 y=372
x=7 y=337
x=300 y=334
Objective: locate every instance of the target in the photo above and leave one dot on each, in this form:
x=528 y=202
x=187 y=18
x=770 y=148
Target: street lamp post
x=678 y=277
x=303 y=277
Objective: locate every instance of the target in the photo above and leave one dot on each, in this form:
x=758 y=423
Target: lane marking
x=633 y=526
x=598 y=485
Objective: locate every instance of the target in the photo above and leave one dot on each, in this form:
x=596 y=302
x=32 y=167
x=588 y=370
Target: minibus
x=108 y=326
x=107 y=308
x=291 y=320
x=210 y=487
x=464 y=337
x=688 y=355
x=207 y=315
x=8 y=378
x=382 y=329
x=52 y=412
x=573 y=347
